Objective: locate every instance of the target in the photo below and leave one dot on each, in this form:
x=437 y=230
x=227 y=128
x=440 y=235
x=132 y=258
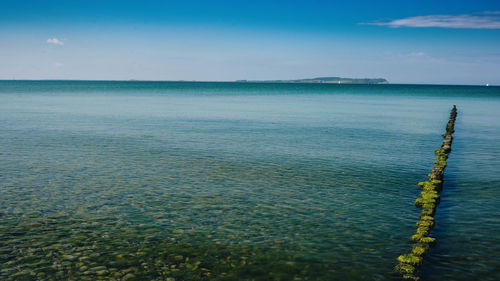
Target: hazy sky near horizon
x=439 y=42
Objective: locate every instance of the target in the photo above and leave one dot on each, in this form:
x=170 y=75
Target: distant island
x=330 y=80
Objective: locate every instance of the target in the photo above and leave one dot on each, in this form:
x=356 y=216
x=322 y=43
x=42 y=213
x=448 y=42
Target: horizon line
x=250 y=82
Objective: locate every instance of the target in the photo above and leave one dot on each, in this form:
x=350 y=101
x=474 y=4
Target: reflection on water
x=221 y=181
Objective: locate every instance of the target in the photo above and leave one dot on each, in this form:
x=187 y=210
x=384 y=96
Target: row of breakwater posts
x=428 y=201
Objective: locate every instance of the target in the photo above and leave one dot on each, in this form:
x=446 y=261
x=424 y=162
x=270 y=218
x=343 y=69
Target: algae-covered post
x=427 y=201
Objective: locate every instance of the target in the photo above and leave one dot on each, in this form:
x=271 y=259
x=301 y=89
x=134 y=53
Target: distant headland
x=329 y=80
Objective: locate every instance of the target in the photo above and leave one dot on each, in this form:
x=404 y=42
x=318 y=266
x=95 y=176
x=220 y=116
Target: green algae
x=428 y=200
x=427 y=240
x=426 y=212
x=405 y=268
x=418 y=236
x=411 y=277
x=420 y=249
x=439 y=151
x=410 y=259
x=422 y=237
x=436 y=182
x=427 y=218
x=427 y=197
x=425 y=223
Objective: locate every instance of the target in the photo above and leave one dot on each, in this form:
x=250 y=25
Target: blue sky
x=438 y=42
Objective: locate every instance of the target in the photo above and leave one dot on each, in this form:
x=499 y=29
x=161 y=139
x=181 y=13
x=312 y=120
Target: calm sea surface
x=228 y=181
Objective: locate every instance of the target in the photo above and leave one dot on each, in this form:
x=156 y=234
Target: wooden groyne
x=428 y=201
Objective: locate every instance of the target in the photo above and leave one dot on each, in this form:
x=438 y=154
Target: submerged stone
x=178 y=231
x=102 y=272
x=99 y=268
x=128 y=276
x=69 y=257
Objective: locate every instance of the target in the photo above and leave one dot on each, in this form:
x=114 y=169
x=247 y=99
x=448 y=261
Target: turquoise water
x=227 y=181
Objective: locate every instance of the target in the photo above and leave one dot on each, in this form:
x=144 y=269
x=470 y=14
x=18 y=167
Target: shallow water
x=225 y=181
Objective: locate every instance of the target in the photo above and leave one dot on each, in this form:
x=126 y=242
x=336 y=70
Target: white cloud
x=416 y=55
x=58 y=64
x=491 y=12
x=486 y=20
x=55 y=41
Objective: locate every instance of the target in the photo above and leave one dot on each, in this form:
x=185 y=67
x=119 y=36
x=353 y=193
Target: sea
x=144 y=180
